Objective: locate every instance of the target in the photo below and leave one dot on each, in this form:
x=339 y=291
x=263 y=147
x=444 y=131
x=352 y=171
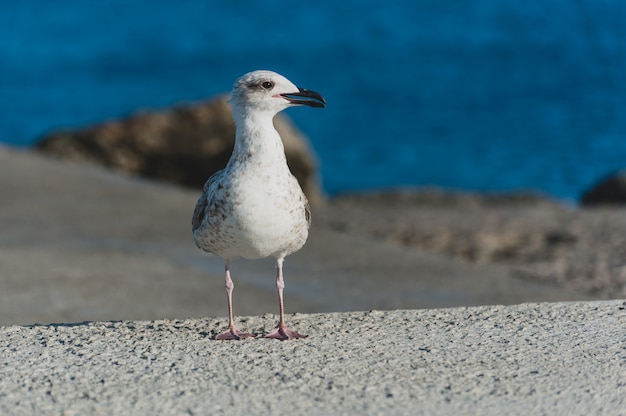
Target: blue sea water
x=490 y=95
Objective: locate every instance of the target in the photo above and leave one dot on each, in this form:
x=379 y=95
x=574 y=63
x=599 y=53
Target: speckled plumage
x=254 y=207
x=248 y=211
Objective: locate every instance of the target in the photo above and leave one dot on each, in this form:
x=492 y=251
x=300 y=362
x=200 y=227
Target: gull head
x=269 y=92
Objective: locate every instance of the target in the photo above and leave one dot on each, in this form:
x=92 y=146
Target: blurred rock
x=183 y=145
x=610 y=190
x=540 y=239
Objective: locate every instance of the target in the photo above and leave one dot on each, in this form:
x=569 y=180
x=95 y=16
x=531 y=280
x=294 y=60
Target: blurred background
x=486 y=95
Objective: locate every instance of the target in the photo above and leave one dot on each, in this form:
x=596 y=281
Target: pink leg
x=232 y=332
x=282 y=332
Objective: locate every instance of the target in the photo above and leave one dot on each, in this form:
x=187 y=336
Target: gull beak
x=305 y=97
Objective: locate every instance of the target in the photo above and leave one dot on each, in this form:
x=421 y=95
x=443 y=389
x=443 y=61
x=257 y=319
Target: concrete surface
x=532 y=359
x=78 y=243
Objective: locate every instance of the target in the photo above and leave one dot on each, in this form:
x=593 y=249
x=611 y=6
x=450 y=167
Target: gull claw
x=284 y=334
x=234 y=333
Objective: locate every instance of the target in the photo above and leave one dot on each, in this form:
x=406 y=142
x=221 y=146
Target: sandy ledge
x=540 y=358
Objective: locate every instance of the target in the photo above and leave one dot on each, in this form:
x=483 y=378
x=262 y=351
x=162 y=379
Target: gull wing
x=200 y=211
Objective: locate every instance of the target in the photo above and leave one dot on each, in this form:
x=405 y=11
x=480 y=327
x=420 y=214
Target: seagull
x=254 y=207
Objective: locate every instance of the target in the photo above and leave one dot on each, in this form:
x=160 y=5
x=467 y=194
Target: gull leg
x=282 y=332
x=232 y=332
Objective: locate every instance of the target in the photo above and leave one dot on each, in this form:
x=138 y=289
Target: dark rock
x=183 y=145
x=611 y=190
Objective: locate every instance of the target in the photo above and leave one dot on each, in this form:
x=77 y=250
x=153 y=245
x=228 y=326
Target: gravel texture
x=544 y=358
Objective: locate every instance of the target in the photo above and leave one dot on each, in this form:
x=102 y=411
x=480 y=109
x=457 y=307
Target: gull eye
x=268 y=85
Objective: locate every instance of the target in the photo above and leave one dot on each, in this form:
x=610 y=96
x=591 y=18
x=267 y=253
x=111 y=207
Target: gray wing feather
x=200 y=211
x=307 y=212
